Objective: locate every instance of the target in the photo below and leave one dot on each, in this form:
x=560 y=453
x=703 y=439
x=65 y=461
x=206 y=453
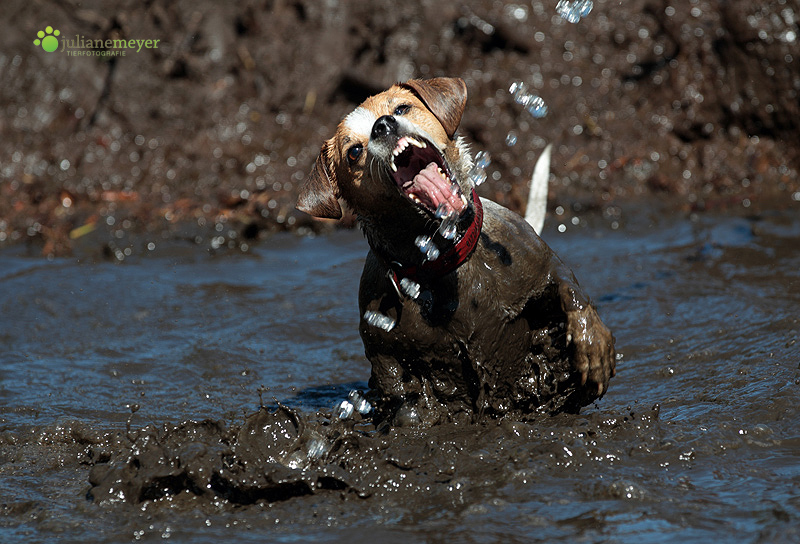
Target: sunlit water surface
x=697 y=440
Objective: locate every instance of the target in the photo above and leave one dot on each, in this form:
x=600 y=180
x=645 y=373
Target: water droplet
x=377 y=319
x=318 y=446
x=483 y=159
x=511 y=139
x=477 y=176
x=422 y=242
x=343 y=410
x=574 y=11
x=410 y=288
x=533 y=104
x=427 y=246
x=536 y=107
x=517 y=89
x=478 y=172
x=448 y=226
x=360 y=403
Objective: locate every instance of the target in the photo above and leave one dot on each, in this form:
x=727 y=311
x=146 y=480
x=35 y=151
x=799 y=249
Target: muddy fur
x=509 y=331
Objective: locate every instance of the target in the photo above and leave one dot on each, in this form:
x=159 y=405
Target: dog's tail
x=537 y=196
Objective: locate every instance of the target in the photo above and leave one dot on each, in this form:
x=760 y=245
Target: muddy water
x=130 y=394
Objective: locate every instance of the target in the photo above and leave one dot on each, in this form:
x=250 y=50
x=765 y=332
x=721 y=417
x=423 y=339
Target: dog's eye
x=402 y=109
x=354 y=153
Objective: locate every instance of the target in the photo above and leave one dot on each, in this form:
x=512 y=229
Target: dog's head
x=397 y=151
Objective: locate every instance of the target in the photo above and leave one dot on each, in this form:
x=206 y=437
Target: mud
x=176 y=377
x=130 y=402
x=216 y=127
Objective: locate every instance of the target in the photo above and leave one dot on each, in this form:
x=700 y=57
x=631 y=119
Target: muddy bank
x=208 y=135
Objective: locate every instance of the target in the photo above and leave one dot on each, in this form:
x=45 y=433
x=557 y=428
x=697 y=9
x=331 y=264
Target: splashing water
x=573 y=11
x=483 y=160
x=447 y=228
x=343 y=410
x=410 y=288
x=318 y=446
x=355 y=402
x=511 y=139
x=532 y=103
x=478 y=173
x=359 y=402
x=377 y=319
x=426 y=245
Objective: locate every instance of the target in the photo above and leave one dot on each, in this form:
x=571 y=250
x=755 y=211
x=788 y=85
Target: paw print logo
x=47 y=39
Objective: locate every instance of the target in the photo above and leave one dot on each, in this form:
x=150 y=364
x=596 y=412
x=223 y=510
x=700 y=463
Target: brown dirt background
x=208 y=137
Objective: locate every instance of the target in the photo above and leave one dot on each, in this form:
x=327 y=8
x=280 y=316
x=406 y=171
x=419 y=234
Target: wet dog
x=466 y=312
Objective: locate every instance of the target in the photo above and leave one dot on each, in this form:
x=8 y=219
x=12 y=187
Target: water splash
x=532 y=103
x=317 y=446
x=511 y=138
x=448 y=227
x=478 y=172
x=483 y=160
x=355 y=402
x=359 y=402
x=377 y=319
x=426 y=245
x=574 y=10
x=343 y=410
x=449 y=221
x=410 y=288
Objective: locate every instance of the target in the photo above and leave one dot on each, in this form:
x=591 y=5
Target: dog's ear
x=320 y=196
x=446 y=97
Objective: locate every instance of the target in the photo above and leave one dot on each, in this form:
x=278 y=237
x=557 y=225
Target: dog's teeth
x=394 y=168
x=415 y=198
x=414 y=142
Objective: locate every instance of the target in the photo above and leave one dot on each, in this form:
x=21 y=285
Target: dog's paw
x=592 y=348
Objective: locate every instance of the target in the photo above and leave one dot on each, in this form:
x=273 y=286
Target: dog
x=465 y=311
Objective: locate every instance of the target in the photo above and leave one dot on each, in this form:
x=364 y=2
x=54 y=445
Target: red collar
x=449 y=261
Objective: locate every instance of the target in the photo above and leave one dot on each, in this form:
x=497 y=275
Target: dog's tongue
x=433 y=189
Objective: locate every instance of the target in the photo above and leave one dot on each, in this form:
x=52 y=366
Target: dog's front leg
x=591 y=343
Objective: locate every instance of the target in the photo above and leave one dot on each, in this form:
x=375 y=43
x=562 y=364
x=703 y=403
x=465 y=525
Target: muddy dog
x=466 y=312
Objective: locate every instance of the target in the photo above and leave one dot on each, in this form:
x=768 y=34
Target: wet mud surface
x=131 y=400
x=170 y=371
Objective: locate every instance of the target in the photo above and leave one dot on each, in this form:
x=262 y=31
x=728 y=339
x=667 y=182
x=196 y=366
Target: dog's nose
x=384 y=126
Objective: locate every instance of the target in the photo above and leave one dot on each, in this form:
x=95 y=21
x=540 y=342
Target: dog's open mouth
x=422 y=174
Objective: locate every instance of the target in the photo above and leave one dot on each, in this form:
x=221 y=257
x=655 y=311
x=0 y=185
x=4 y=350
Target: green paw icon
x=47 y=39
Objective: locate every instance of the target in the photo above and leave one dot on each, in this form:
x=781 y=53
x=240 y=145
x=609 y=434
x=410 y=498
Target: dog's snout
x=384 y=126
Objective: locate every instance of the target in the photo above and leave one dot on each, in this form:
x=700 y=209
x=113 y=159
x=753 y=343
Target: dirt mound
x=208 y=135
